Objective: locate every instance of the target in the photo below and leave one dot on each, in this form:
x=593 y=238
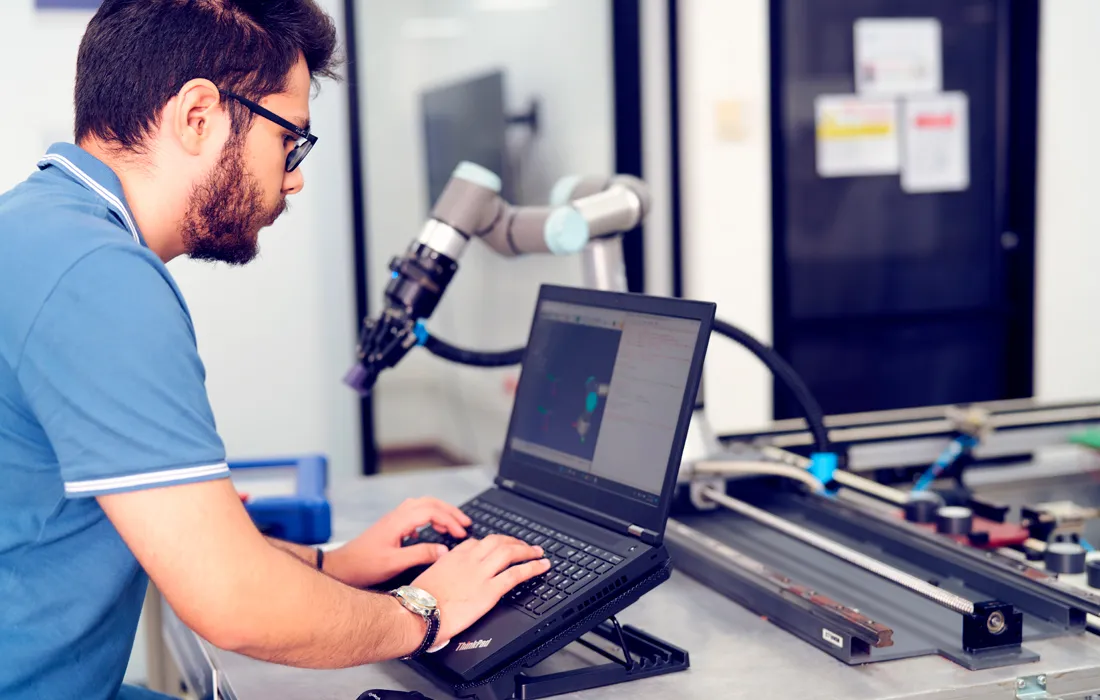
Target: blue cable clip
x=823 y=465
x=955 y=449
x=304 y=518
x=421 y=333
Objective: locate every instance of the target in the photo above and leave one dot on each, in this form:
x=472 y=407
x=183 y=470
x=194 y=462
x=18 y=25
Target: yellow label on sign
x=831 y=129
x=856 y=136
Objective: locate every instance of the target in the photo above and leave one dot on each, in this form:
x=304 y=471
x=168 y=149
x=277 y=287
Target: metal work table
x=734 y=654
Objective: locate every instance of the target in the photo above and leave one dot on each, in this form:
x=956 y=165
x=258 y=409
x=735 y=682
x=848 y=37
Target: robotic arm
x=587 y=210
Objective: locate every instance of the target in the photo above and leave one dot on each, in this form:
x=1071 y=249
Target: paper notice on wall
x=856 y=136
x=937 y=144
x=898 y=56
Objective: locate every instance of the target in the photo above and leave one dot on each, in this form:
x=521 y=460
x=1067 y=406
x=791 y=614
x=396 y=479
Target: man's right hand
x=470 y=579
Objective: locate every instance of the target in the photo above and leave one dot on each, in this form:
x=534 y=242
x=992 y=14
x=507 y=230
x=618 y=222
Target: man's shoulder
x=45 y=220
x=49 y=234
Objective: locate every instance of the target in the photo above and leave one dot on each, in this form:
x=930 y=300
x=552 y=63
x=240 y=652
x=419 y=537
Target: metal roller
x=954 y=520
x=1065 y=558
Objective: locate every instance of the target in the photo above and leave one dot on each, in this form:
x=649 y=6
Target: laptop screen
x=599 y=416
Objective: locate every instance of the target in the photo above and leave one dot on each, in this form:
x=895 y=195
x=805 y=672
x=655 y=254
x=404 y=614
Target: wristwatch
x=422 y=603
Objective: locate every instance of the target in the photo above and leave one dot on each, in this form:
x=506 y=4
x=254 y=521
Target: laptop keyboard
x=573 y=563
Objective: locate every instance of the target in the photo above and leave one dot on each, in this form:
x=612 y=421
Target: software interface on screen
x=601 y=396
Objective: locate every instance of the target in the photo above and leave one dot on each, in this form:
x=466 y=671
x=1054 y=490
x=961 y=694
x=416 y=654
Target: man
x=192 y=117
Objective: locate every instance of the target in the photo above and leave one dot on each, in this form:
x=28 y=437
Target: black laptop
x=589 y=463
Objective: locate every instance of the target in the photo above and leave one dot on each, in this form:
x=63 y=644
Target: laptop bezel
x=619 y=513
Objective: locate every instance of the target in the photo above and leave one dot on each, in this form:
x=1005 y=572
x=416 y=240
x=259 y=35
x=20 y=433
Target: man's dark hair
x=137 y=54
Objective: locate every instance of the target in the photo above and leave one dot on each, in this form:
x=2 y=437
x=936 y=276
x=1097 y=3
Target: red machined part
x=876 y=634
x=1000 y=534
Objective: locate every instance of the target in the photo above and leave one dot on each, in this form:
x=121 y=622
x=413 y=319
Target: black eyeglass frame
x=301 y=150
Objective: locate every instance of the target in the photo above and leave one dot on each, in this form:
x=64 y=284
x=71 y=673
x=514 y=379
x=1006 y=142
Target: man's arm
x=226 y=582
x=233 y=588
x=307 y=555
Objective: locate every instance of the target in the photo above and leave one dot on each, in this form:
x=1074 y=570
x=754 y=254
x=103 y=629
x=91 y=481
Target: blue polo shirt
x=101 y=391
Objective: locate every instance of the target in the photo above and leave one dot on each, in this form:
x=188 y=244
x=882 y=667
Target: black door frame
x=368 y=443
x=676 y=205
x=627 y=72
x=1018 y=25
x=1020 y=189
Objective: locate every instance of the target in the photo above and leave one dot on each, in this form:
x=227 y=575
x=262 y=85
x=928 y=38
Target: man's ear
x=199 y=111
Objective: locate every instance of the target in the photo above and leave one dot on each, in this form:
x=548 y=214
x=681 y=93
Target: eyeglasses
x=306 y=139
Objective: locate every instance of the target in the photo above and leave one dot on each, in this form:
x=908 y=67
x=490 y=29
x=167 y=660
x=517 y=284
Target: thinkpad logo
x=479 y=644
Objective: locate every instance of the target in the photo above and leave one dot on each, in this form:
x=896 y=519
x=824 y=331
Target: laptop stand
x=637 y=655
x=631 y=653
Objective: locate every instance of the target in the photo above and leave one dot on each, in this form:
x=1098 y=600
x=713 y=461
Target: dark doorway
x=882 y=297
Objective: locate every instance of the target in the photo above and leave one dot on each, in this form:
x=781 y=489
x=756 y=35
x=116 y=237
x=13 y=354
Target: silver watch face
x=418 y=597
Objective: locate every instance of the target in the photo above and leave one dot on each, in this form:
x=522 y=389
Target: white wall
x=1068 y=287
x=276 y=336
x=406 y=47
x=38 y=94
x=725 y=189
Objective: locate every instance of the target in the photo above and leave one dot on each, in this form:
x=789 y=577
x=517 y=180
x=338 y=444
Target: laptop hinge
x=602 y=519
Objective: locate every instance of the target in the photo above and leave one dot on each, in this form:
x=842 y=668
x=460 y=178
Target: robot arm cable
x=779 y=367
x=471 y=207
x=474 y=358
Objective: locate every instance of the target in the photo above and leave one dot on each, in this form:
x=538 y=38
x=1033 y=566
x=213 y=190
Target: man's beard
x=226 y=212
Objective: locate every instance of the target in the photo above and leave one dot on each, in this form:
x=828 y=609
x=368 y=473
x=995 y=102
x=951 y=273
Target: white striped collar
x=64 y=155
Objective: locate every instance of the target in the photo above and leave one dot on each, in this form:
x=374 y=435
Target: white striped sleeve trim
x=149 y=479
x=97 y=188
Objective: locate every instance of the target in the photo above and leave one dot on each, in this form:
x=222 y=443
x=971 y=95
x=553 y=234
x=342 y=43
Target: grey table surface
x=734 y=653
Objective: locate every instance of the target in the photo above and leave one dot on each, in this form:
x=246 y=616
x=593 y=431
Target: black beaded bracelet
x=320 y=559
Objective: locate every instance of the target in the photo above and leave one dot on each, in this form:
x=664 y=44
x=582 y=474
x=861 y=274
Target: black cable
x=815 y=418
x=474 y=358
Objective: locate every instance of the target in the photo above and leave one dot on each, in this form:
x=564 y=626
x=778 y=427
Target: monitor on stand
x=466 y=120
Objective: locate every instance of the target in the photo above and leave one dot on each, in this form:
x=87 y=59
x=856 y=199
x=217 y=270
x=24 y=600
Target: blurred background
x=899 y=195
x=754 y=123
x=883 y=293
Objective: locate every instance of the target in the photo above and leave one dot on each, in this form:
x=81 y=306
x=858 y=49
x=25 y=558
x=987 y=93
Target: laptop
x=589 y=464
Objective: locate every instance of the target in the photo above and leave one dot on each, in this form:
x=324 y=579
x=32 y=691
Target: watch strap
x=429 y=638
x=431 y=617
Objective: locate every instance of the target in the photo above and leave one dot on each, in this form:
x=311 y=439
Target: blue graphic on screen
x=573 y=364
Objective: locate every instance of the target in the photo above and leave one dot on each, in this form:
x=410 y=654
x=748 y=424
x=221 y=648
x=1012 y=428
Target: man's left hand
x=377 y=555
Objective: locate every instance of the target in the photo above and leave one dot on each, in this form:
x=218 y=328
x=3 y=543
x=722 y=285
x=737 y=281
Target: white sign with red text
x=936 y=150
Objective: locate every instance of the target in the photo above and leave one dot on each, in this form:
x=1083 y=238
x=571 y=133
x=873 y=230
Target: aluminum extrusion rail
x=934 y=593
